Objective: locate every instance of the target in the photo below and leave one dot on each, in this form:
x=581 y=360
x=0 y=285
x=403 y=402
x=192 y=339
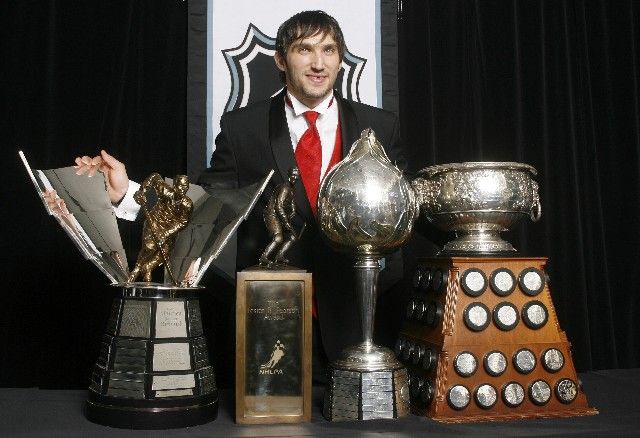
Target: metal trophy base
x=153 y=371
x=366 y=383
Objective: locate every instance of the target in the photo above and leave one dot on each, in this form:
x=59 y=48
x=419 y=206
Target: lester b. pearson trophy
x=273 y=323
x=153 y=371
x=366 y=208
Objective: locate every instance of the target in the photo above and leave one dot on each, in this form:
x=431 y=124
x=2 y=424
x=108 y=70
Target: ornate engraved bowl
x=478 y=200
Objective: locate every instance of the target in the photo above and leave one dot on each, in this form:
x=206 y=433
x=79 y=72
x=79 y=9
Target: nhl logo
x=253 y=58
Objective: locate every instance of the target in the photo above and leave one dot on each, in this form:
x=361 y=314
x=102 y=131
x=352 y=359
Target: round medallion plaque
x=535 y=314
x=417 y=354
x=425 y=281
x=505 y=315
x=513 y=394
x=524 y=361
x=418 y=314
x=411 y=308
x=426 y=392
x=476 y=316
x=540 y=392
x=566 y=390
x=417 y=278
x=440 y=279
x=428 y=359
x=552 y=360
x=399 y=347
x=415 y=386
x=502 y=281
x=458 y=397
x=531 y=281
x=433 y=314
x=486 y=396
x=407 y=350
x=495 y=363
x=465 y=364
x=473 y=282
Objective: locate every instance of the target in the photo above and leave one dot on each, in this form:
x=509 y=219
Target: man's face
x=311 y=66
x=181 y=186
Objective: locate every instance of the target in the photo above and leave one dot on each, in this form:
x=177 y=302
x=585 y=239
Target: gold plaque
x=273 y=346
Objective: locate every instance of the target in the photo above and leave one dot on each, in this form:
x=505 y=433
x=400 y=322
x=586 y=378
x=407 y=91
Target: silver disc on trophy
x=465 y=364
x=429 y=359
x=426 y=393
x=399 y=347
x=367 y=208
x=417 y=354
x=513 y=394
x=407 y=349
x=540 y=392
x=417 y=277
x=505 y=316
x=495 y=363
x=524 y=361
x=473 y=282
x=411 y=308
x=415 y=386
x=477 y=201
x=535 y=314
x=531 y=281
x=433 y=314
x=439 y=280
x=552 y=360
x=486 y=396
x=502 y=282
x=476 y=316
x=458 y=397
x=566 y=390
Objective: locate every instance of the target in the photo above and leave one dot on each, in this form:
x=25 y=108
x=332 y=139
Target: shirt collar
x=300 y=108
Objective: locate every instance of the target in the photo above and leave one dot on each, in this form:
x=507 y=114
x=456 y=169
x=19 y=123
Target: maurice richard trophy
x=366 y=208
x=153 y=371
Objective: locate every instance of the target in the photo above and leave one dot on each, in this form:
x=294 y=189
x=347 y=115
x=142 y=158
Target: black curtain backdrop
x=553 y=84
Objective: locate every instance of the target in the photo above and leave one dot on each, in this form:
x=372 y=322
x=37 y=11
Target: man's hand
x=55 y=203
x=114 y=171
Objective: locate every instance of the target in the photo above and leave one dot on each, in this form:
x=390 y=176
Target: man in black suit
x=272 y=135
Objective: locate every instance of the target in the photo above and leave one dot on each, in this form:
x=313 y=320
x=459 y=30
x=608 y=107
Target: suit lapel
x=348 y=124
x=282 y=150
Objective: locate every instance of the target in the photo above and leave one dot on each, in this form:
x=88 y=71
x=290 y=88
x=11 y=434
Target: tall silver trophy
x=366 y=208
x=153 y=371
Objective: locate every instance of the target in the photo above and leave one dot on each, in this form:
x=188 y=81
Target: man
x=281 y=133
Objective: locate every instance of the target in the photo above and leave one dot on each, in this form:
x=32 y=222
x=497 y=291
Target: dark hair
x=306 y=24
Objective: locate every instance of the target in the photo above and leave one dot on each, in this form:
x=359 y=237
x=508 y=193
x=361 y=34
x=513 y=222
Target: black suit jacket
x=255 y=139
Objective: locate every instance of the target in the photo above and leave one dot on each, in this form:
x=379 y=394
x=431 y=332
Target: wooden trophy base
x=482 y=342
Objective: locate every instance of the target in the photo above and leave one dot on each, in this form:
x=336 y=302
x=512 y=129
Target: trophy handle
x=536 y=206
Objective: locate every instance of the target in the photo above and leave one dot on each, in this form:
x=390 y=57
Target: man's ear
x=280 y=62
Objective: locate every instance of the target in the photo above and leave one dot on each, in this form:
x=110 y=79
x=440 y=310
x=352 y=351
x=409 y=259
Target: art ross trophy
x=153 y=371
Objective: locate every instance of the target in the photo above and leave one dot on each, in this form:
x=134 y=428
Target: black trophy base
x=117 y=412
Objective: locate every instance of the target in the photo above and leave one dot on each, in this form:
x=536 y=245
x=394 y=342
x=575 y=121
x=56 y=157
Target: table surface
x=615 y=393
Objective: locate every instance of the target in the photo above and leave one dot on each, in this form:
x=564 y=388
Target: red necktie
x=309 y=158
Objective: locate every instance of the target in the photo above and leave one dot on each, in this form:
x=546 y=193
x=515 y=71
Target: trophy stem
x=367 y=269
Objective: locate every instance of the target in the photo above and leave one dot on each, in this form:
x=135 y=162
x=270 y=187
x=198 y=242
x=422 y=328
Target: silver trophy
x=153 y=371
x=366 y=208
x=478 y=200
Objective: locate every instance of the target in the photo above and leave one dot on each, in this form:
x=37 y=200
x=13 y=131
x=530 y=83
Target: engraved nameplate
x=175 y=381
x=135 y=319
x=174 y=393
x=171 y=320
x=171 y=356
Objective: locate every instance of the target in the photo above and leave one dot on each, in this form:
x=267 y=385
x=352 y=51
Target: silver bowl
x=477 y=201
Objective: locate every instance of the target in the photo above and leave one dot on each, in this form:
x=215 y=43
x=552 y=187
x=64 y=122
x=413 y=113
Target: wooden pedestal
x=447 y=338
